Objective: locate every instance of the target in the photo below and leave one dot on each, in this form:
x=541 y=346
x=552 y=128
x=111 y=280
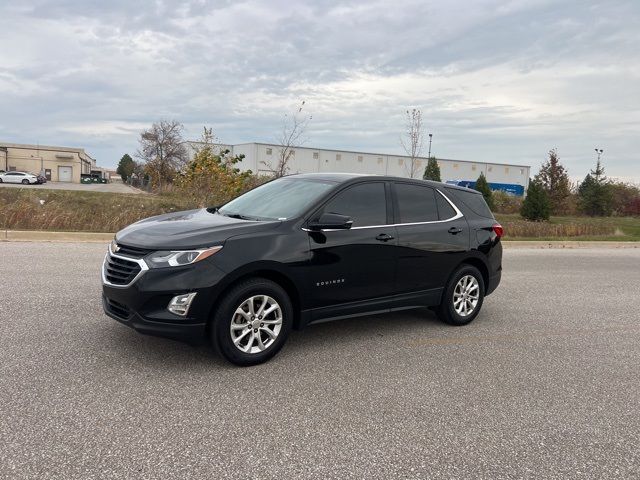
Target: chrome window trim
x=458 y=215
x=143 y=268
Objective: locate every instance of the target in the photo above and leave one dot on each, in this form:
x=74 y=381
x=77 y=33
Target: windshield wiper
x=238 y=215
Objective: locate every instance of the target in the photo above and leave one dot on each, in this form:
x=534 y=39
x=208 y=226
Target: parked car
x=41 y=178
x=18 y=177
x=299 y=250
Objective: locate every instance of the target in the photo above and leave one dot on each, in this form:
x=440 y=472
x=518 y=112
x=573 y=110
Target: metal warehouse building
x=508 y=177
x=58 y=164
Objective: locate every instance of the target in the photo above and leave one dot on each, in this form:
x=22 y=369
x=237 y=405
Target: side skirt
x=392 y=303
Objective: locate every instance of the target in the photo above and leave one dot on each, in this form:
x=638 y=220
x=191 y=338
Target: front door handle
x=454 y=230
x=383 y=237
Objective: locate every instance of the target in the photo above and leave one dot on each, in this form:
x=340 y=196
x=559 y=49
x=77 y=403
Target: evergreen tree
x=483 y=187
x=595 y=197
x=536 y=205
x=432 y=170
x=125 y=167
x=554 y=180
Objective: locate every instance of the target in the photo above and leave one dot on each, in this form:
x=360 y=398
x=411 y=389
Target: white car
x=18 y=177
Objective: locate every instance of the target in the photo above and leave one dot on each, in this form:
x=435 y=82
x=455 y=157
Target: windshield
x=280 y=199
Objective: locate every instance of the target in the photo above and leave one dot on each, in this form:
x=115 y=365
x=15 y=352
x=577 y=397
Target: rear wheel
x=252 y=322
x=463 y=296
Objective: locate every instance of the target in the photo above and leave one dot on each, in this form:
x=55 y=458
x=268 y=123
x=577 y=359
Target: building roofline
x=53 y=148
x=382 y=154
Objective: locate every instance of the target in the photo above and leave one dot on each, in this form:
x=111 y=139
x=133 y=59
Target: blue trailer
x=510 y=188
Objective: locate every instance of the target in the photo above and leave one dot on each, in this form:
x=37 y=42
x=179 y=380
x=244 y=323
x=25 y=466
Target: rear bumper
x=494 y=281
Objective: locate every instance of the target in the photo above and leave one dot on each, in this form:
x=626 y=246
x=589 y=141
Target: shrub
x=536 y=206
x=506 y=203
x=483 y=187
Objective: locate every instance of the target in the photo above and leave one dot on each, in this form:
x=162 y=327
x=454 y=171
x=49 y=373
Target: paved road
x=115 y=187
x=545 y=384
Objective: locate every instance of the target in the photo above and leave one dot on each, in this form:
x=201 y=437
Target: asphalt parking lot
x=544 y=384
x=115 y=187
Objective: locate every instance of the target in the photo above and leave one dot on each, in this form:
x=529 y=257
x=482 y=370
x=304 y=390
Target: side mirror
x=331 y=221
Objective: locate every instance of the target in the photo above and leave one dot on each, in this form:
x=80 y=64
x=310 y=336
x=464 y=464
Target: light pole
x=430 y=137
x=599 y=152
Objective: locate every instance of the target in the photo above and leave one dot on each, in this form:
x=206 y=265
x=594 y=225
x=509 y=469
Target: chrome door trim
x=458 y=215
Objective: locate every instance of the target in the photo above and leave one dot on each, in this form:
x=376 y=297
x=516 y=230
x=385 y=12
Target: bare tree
x=163 y=151
x=412 y=140
x=292 y=135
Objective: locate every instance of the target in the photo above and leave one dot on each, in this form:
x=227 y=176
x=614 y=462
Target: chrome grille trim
x=141 y=263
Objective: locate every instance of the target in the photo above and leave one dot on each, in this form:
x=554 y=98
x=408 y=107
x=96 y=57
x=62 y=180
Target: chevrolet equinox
x=303 y=249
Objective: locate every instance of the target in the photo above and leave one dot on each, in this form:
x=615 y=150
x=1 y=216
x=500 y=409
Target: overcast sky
x=496 y=80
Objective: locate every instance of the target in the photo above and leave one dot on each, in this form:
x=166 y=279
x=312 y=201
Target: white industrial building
x=258 y=156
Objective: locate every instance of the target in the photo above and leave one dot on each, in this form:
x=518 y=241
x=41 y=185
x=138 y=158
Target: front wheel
x=462 y=297
x=252 y=322
x=25 y=182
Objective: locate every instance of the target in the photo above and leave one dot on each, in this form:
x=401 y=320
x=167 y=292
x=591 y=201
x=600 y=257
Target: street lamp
x=599 y=152
x=430 y=137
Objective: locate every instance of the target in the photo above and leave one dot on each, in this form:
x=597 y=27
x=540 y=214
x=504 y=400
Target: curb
x=46 y=236
x=569 y=245
x=91 y=237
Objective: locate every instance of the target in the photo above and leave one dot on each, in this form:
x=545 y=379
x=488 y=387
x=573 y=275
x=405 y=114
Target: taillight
x=498 y=229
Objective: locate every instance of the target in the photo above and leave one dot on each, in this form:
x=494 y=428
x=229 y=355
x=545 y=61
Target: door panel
x=359 y=263
x=428 y=253
x=429 y=244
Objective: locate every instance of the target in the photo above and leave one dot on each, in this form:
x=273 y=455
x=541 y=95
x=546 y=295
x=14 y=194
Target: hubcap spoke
x=239 y=338
x=241 y=312
x=265 y=300
x=268 y=332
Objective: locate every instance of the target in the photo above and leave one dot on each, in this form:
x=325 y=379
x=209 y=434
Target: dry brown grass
x=30 y=209
x=526 y=229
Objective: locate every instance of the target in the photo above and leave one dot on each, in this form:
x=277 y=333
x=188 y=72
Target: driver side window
x=365 y=203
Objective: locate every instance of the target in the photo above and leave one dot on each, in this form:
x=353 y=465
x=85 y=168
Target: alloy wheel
x=466 y=295
x=256 y=324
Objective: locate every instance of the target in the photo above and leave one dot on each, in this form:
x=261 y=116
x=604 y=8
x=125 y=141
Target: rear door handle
x=383 y=237
x=454 y=230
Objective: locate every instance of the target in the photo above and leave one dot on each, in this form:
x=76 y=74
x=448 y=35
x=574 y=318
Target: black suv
x=299 y=250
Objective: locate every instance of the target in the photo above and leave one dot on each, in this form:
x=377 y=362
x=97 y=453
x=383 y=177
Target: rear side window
x=366 y=204
x=416 y=203
x=445 y=210
x=474 y=201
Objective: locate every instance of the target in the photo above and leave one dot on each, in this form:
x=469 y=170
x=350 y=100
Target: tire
x=456 y=308
x=229 y=325
x=0 y=180
x=25 y=182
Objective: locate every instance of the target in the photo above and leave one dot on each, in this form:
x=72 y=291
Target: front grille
x=117 y=309
x=134 y=252
x=119 y=271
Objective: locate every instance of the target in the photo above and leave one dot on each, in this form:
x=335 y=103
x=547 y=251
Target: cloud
x=496 y=80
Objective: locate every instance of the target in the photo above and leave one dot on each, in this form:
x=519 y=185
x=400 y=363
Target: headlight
x=179 y=258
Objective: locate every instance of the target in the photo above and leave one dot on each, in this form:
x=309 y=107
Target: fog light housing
x=179 y=305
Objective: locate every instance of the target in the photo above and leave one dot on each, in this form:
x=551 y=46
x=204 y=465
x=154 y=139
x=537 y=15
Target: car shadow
x=314 y=340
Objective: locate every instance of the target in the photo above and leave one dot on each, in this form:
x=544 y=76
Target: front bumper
x=194 y=333
x=142 y=305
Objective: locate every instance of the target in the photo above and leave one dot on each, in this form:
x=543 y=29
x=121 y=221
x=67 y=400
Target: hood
x=190 y=229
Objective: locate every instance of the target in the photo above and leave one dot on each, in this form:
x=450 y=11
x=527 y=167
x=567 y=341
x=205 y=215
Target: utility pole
x=430 y=137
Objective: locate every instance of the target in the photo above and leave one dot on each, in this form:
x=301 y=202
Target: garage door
x=65 y=174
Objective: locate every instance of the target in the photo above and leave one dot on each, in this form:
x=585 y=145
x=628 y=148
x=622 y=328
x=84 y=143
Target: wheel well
x=278 y=278
x=480 y=265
